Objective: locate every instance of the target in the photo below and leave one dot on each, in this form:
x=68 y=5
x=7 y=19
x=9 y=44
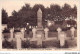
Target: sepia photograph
x=39 y=25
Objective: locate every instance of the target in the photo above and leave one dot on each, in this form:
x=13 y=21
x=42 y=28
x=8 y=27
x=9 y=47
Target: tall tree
x=4 y=17
x=13 y=20
x=74 y=11
x=55 y=11
x=66 y=10
x=26 y=14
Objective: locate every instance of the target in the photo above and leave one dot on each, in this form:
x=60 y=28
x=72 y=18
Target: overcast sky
x=10 y=5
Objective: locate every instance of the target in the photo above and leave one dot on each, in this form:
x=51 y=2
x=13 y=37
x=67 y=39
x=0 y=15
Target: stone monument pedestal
x=39 y=40
x=40 y=31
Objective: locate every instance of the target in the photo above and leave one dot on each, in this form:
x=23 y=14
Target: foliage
x=7 y=44
x=28 y=14
x=4 y=17
x=26 y=44
x=6 y=31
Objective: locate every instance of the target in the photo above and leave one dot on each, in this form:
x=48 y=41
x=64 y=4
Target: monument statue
x=39 y=18
x=40 y=30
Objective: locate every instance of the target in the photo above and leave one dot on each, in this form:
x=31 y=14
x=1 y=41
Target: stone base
x=40 y=32
x=40 y=28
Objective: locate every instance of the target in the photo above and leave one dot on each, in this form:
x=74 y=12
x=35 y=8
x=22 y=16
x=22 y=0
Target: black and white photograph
x=39 y=24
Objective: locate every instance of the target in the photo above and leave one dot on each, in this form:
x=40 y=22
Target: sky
x=10 y=5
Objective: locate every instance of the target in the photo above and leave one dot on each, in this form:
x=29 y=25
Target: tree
x=14 y=20
x=66 y=10
x=4 y=17
x=55 y=11
x=28 y=14
x=74 y=11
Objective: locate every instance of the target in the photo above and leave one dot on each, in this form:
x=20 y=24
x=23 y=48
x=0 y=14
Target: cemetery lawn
x=54 y=43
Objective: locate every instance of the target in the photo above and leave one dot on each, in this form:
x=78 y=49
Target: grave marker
x=59 y=30
x=11 y=33
x=34 y=32
x=22 y=31
x=18 y=40
x=46 y=32
x=72 y=32
x=62 y=38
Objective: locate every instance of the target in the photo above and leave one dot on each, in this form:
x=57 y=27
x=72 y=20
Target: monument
x=40 y=30
x=39 y=33
x=39 y=18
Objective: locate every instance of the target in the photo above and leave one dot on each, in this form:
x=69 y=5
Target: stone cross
x=59 y=30
x=72 y=32
x=46 y=32
x=11 y=33
x=34 y=32
x=13 y=28
x=22 y=31
x=18 y=36
x=62 y=38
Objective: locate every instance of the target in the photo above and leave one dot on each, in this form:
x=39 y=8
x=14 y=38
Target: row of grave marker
x=61 y=36
x=46 y=32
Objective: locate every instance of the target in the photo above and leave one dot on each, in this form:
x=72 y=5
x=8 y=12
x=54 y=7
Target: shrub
x=6 y=31
x=65 y=45
x=17 y=31
x=33 y=46
x=26 y=44
x=7 y=44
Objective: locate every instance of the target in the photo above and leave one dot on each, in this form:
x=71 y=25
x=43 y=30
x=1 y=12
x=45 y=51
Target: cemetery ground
x=50 y=42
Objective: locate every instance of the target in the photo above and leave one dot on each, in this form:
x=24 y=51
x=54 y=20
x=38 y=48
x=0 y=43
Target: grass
x=46 y=44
